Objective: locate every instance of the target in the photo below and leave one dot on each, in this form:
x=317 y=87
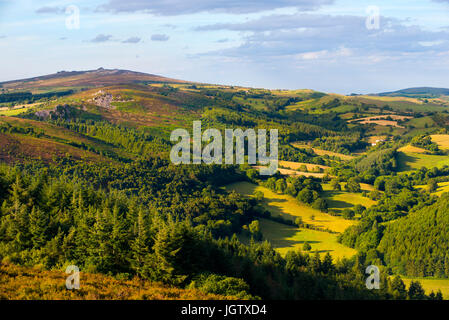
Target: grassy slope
x=57 y=142
x=339 y=200
x=297 y=165
x=442 y=140
x=321 y=152
x=285 y=238
x=16 y=147
x=442 y=188
x=412 y=149
x=408 y=161
x=12 y=112
x=288 y=207
x=139 y=105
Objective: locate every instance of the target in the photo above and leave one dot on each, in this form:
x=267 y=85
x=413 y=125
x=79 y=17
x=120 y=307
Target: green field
x=285 y=238
x=339 y=200
x=442 y=188
x=322 y=152
x=410 y=161
x=12 y=112
x=430 y=285
x=421 y=122
x=442 y=140
x=288 y=207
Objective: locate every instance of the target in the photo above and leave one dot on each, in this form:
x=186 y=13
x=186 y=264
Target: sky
x=340 y=46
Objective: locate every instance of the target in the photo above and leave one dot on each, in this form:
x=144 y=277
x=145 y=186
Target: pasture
x=430 y=284
x=421 y=122
x=382 y=120
x=289 y=172
x=412 y=149
x=339 y=200
x=298 y=165
x=442 y=188
x=408 y=161
x=442 y=140
x=322 y=152
x=16 y=110
x=286 y=238
x=289 y=208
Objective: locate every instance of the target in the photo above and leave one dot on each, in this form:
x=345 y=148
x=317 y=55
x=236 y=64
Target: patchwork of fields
x=285 y=238
x=289 y=208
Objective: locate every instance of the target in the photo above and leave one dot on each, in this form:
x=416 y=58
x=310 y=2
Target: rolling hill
x=81 y=79
x=418 y=92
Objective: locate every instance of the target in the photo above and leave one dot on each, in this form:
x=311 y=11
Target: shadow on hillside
x=336 y=204
x=322 y=251
x=278 y=235
x=404 y=161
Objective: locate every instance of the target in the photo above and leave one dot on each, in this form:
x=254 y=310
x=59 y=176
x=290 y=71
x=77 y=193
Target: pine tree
x=19 y=193
x=101 y=250
x=316 y=263
x=119 y=238
x=398 y=289
x=139 y=246
x=446 y=265
x=415 y=291
x=21 y=226
x=327 y=265
x=166 y=249
x=38 y=227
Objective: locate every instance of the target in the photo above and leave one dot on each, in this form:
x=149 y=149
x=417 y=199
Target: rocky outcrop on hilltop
x=103 y=99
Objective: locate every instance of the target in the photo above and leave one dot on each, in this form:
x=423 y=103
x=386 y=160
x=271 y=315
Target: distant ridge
x=418 y=92
x=98 y=77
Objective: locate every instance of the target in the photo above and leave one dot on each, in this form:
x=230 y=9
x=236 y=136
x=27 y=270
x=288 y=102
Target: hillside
x=417 y=245
x=21 y=283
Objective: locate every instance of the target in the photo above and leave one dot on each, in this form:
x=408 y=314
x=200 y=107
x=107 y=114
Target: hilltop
x=80 y=79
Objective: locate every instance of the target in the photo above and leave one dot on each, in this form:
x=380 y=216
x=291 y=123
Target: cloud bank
x=179 y=7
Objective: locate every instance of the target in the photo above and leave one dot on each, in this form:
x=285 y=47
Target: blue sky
x=322 y=44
